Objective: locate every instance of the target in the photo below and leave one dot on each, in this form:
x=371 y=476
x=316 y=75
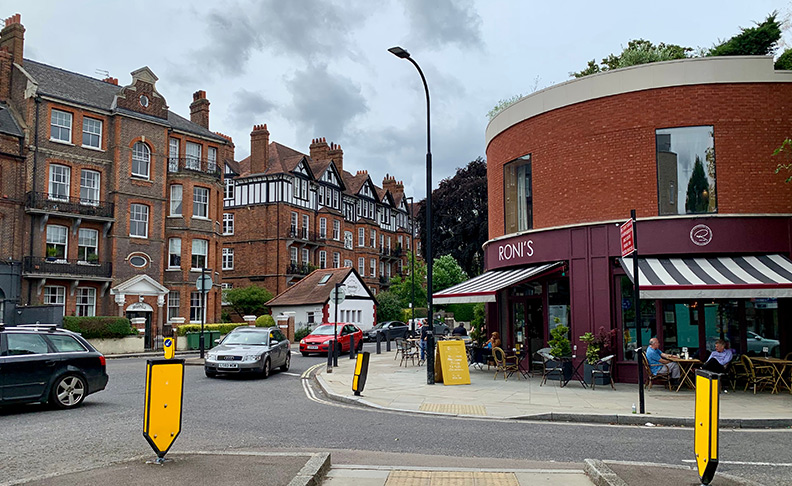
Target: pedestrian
x=459 y=330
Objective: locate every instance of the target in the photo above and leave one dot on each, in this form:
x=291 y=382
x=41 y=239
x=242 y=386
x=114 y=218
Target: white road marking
x=745 y=463
x=290 y=374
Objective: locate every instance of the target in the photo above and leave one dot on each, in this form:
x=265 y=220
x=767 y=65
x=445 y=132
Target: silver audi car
x=249 y=350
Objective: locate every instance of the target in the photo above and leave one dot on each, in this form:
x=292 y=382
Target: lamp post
x=403 y=54
x=412 y=261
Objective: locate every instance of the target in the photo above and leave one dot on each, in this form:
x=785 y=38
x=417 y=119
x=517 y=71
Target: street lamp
x=402 y=54
x=412 y=260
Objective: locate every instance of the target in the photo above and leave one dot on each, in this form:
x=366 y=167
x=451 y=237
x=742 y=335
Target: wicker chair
x=508 y=365
x=761 y=375
x=550 y=365
x=662 y=376
x=736 y=372
x=599 y=369
x=399 y=347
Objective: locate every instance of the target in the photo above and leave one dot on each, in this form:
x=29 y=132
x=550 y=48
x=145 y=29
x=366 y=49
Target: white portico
x=131 y=296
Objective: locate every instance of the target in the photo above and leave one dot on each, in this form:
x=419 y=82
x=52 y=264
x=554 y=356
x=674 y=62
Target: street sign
x=627 y=242
x=169 y=347
x=204 y=282
x=162 y=413
x=705 y=432
x=337 y=295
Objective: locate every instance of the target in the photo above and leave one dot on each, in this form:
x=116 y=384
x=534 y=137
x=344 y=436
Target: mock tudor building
x=287 y=213
x=688 y=144
x=111 y=202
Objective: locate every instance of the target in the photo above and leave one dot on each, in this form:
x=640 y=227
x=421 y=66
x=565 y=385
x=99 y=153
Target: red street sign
x=627 y=242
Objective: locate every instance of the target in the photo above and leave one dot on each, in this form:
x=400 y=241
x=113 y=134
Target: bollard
x=352 y=350
x=330 y=357
x=379 y=341
x=336 y=352
x=361 y=371
x=387 y=340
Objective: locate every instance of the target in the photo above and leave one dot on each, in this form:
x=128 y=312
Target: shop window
x=648 y=319
x=518 y=195
x=686 y=170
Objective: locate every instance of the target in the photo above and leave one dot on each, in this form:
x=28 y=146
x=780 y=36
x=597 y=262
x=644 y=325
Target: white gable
x=139 y=285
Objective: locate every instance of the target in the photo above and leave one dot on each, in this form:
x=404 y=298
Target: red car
x=319 y=339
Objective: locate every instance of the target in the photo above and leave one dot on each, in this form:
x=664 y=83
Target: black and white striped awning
x=484 y=287
x=741 y=277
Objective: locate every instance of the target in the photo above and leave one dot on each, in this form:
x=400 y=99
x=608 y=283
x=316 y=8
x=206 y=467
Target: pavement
x=403 y=388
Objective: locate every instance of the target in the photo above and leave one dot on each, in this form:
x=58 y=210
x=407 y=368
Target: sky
x=321 y=68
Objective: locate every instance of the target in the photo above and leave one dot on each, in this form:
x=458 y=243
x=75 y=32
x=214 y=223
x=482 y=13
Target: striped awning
x=484 y=287
x=741 y=277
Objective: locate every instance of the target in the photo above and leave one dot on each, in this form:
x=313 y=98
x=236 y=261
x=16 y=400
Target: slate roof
x=84 y=90
x=308 y=290
x=8 y=125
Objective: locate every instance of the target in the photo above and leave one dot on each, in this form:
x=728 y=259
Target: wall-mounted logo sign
x=518 y=249
x=701 y=234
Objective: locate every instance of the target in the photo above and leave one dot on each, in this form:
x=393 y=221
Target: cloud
x=248 y=108
x=323 y=104
x=232 y=40
x=443 y=22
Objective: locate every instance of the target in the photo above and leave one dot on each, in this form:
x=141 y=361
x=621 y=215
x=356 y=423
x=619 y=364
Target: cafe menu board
x=451 y=364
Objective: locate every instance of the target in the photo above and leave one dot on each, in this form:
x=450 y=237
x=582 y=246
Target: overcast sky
x=320 y=68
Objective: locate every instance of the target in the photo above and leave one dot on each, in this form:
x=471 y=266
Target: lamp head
x=399 y=52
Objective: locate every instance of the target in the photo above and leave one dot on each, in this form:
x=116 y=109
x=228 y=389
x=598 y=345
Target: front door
x=149 y=338
x=527 y=318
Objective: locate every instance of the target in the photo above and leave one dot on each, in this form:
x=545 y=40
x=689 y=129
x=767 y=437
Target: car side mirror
x=274 y=342
x=217 y=341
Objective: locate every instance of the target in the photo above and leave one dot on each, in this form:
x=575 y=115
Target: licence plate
x=313 y=347
x=227 y=365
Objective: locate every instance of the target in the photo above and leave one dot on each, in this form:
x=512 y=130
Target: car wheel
x=304 y=353
x=265 y=371
x=210 y=374
x=69 y=391
x=286 y=363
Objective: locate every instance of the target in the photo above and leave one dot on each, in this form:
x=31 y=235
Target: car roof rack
x=47 y=327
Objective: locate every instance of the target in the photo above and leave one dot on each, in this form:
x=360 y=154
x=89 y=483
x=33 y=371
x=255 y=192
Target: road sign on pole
x=170 y=348
x=337 y=295
x=627 y=241
x=204 y=283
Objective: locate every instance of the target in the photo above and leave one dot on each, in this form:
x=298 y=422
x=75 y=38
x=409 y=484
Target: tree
x=388 y=307
x=459 y=210
x=402 y=286
x=785 y=151
x=248 y=300
x=638 y=51
x=446 y=272
x=761 y=40
x=697 y=199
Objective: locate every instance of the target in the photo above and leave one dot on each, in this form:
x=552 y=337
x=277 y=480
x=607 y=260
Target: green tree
x=478 y=332
x=761 y=40
x=638 y=51
x=697 y=199
x=248 y=300
x=388 y=307
x=784 y=61
x=785 y=153
x=402 y=286
x=502 y=105
x=446 y=272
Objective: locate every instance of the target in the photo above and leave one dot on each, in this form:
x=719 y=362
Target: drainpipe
x=37 y=100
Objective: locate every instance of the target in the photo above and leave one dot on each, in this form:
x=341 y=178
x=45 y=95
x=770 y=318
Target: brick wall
x=594 y=161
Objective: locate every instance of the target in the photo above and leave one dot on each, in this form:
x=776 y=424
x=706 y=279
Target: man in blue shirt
x=658 y=360
x=719 y=358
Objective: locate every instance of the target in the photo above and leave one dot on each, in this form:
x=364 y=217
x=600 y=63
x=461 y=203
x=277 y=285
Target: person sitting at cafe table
x=657 y=359
x=494 y=341
x=459 y=330
x=719 y=358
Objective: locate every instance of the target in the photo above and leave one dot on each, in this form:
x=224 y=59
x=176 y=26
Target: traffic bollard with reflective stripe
x=352 y=349
x=361 y=371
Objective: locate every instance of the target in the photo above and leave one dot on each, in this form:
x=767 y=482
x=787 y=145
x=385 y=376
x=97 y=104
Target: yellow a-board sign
x=451 y=363
x=162 y=413
x=705 y=432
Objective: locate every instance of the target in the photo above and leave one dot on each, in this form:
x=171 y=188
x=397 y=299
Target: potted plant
x=560 y=347
x=52 y=253
x=597 y=347
x=92 y=258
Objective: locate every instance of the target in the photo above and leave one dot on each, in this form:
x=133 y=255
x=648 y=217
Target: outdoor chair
x=408 y=351
x=602 y=367
x=788 y=356
x=662 y=376
x=736 y=372
x=758 y=375
x=399 y=347
x=508 y=365
x=550 y=365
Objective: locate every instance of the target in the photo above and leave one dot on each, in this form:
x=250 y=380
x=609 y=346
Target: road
x=278 y=414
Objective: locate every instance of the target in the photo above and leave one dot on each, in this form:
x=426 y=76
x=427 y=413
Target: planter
x=568 y=368
x=125 y=345
x=601 y=380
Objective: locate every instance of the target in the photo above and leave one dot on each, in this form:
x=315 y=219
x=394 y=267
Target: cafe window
x=686 y=170
x=648 y=319
x=518 y=195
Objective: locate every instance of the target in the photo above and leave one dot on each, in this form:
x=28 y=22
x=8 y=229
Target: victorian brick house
x=110 y=201
x=287 y=213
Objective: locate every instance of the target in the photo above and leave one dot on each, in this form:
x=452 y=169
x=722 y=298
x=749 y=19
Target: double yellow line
x=307 y=373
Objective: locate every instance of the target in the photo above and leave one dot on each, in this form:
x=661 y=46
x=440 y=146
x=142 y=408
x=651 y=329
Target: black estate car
x=49 y=365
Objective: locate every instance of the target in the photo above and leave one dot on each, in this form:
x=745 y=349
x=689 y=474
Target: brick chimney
x=337 y=155
x=111 y=80
x=319 y=149
x=259 y=149
x=12 y=38
x=389 y=184
x=199 y=109
x=227 y=150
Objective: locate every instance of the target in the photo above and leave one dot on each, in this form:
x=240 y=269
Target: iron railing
x=62 y=266
x=45 y=201
x=298 y=269
x=302 y=234
x=194 y=164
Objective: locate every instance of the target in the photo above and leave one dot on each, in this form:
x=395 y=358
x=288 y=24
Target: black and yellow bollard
x=705 y=432
x=361 y=371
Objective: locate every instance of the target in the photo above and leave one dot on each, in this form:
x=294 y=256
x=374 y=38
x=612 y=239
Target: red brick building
x=121 y=195
x=287 y=213
x=688 y=145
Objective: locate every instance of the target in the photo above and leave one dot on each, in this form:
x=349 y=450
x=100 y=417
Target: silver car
x=249 y=350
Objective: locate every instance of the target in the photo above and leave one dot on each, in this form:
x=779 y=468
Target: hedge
x=102 y=327
x=224 y=328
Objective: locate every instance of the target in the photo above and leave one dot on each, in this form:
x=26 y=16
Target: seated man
x=657 y=359
x=719 y=358
x=459 y=330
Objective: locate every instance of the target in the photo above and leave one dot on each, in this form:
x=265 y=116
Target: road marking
x=290 y=374
x=307 y=373
x=745 y=463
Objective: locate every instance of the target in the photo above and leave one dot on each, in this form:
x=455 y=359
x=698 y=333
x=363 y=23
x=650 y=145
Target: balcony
x=297 y=269
x=194 y=165
x=66 y=268
x=394 y=253
x=301 y=237
x=46 y=203
x=383 y=280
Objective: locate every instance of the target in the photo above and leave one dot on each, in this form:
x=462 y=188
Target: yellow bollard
x=705 y=431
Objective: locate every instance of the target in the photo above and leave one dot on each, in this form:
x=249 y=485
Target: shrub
x=301 y=333
x=559 y=345
x=462 y=312
x=101 y=327
x=265 y=321
x=223 y=328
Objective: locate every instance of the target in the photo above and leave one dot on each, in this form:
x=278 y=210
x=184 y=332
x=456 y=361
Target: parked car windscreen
x=325 y=330
x=247 y=338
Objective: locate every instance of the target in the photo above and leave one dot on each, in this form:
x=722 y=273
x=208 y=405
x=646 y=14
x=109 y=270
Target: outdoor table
x=478 y=356
x=575 y=371
x=685 y=368
x=779 y=367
